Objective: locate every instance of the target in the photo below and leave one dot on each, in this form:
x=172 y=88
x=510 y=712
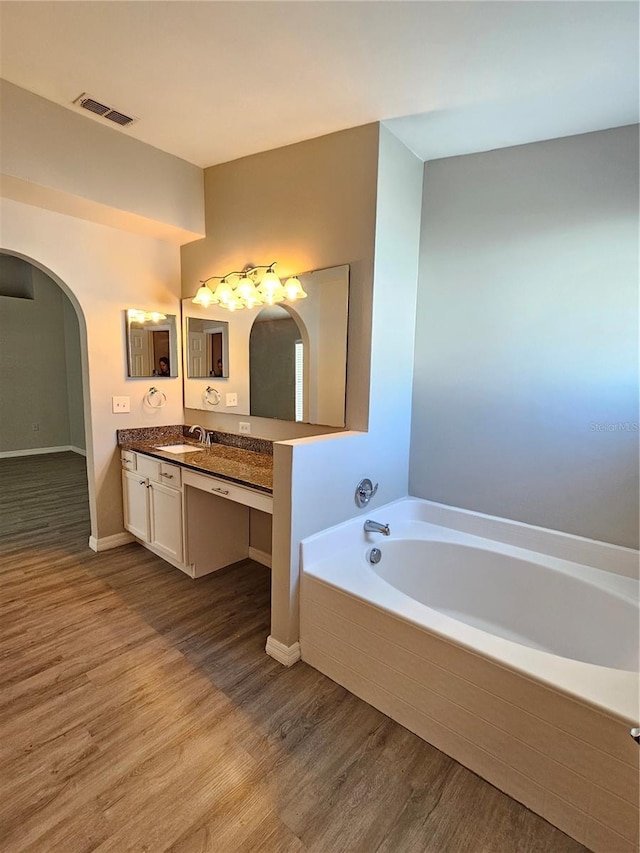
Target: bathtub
x=511 y=648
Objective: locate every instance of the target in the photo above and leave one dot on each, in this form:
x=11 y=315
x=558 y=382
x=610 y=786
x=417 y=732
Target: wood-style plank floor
x=139 y=712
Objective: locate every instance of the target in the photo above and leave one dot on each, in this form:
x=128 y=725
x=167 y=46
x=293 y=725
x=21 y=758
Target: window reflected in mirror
x=152 y=347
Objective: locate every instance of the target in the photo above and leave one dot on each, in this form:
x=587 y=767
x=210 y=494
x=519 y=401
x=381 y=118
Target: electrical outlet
x=119 y=405
x=35 y=427
x=232 y=399
x=245 y=427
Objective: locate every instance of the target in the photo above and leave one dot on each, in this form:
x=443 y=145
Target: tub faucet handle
x=365 y=490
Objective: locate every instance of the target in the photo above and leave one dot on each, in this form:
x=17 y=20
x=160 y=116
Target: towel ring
x=211 y=396
x=151 y=394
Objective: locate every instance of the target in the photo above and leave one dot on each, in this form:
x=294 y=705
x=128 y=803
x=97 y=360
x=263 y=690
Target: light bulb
x=204 y=296
x=294 y=290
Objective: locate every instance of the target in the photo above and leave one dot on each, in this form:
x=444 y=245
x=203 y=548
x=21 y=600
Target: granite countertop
x=236 y=464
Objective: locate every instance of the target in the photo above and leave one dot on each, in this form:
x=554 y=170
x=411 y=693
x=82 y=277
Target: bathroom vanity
x=192 y=505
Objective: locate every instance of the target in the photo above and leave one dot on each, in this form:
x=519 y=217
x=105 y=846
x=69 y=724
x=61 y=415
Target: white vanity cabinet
x=152 y=498
x=196 y=521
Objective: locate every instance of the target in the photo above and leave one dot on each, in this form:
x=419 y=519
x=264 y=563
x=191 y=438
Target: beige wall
x=307 y=206
x=73 y=359
x=104 y=271
x=58 y=158
x=315 y=479
x=525 y=397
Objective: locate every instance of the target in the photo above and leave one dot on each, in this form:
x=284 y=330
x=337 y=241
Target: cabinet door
x=136 y=504
x=166 y=519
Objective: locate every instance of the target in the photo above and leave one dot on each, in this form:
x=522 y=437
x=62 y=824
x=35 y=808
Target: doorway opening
x=43 y=398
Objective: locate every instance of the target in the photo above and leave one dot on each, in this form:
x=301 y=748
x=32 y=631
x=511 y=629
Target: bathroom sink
x=179 y=448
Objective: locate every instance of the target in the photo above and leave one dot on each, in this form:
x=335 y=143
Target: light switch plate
x=245 y=427
x=120 y=405
x=232 y=399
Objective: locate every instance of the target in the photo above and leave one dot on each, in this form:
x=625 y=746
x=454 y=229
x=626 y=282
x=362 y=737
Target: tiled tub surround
x=239 y=459
x=550 y=731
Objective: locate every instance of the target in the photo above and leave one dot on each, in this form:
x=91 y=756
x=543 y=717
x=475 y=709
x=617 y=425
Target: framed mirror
x=207 y=343
x=152 y=343
x=286 y=361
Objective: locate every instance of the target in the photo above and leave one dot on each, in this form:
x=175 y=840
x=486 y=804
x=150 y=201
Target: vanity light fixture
x=246 y=292
x=137 y=315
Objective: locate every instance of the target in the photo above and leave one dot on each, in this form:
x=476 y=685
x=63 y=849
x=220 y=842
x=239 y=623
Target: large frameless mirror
x=152 y=343
x=285 y=361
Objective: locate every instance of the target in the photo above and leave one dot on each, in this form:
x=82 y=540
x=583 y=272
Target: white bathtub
x=511 y=648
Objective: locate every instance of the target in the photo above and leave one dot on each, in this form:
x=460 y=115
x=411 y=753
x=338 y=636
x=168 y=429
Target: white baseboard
x=38 y=451
x=108 y=542
x=286 y=655
x=260 y=556
x=79 y=450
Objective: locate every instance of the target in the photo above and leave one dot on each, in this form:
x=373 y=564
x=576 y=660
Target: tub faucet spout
x=375 y=527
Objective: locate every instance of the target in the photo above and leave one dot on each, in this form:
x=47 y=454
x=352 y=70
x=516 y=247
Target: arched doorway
x=44 y=388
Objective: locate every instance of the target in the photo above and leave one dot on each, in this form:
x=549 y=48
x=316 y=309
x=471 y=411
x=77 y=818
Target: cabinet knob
x=142 y=482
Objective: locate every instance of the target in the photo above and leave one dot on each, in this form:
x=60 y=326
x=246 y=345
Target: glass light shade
x=223 y=293
x=270 y=282
x=135 y=315
x=233 y=302
x=276 y=295
x=247 y=291
x=204 y=296
x=294 y=290
x=156 y=316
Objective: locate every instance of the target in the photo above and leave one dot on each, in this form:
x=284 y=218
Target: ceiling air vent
x=103 y=110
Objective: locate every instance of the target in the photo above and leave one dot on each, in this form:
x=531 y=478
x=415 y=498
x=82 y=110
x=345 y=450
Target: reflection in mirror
x=308 y=356
x=207 y=348
x=152 y=345
x=275 y=365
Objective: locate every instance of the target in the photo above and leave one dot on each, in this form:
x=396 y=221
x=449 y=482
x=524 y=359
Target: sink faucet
x=375 y=527
x=204 y=438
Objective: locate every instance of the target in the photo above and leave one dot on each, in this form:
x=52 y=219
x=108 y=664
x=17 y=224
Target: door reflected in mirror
x=152 y=346
x=207 y=348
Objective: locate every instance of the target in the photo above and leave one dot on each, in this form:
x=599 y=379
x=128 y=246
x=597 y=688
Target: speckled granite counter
x=253 y=468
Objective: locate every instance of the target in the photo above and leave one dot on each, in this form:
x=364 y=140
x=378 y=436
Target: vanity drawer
x=170 y=475
x=230 y=491
x=158 y=471
x=146 y=466
x=128 y=459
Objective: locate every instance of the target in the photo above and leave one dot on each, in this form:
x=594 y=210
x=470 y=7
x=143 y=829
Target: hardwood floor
x=139 y=712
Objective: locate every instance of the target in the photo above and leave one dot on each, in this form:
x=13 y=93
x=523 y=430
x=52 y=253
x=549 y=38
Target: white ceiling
x=213 y=81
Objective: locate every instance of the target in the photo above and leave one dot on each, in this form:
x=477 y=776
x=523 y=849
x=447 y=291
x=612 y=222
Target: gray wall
x=525 y=384
x=41 y=374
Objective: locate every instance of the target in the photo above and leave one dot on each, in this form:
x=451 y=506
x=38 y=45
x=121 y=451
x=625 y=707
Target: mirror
x=152 y=343
x=276 y=358
x=287 y=361
x=207 y=348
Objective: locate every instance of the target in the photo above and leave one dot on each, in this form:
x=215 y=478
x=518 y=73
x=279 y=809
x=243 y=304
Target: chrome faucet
x=375 y=527
x=204 y=438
